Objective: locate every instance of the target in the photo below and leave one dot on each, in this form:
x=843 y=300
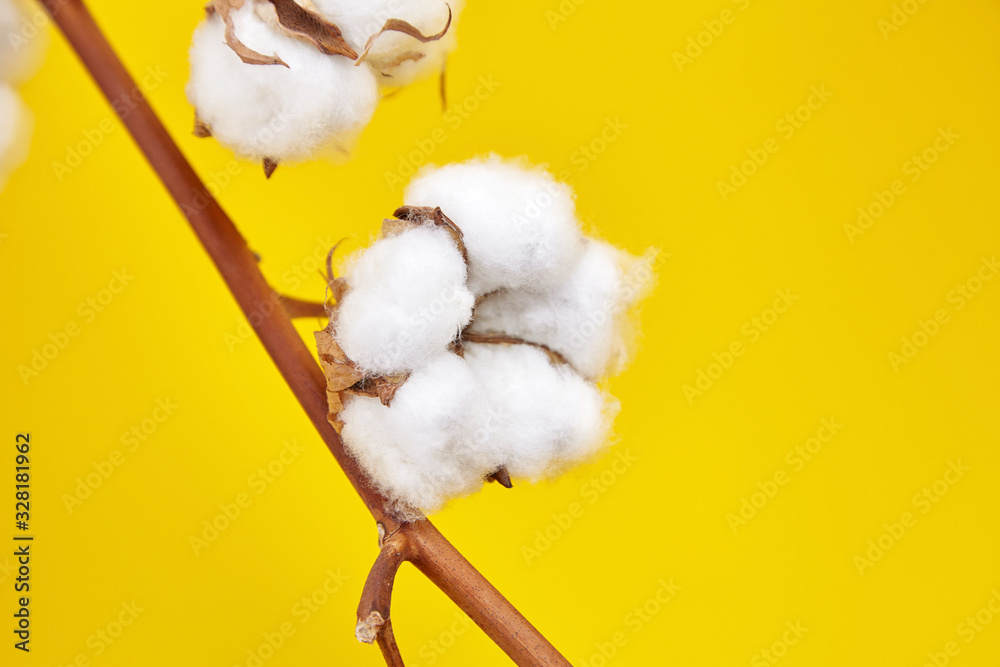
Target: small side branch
x=374 y=623
x=297 y=308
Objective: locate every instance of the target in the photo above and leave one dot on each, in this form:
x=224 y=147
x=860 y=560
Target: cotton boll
x=519 y=223
x=406 y=302
x=15 y=132
x=21 y=40
x=396 y=58
x=414 y=450
x=272 y=111
x=582 y=316
x=535 y=416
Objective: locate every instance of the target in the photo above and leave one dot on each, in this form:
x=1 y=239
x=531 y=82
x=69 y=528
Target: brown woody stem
x=432 y=553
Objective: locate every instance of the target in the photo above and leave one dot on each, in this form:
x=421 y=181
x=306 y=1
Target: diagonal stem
x=432 y=553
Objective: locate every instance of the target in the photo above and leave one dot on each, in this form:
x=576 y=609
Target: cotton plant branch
x=418 y=542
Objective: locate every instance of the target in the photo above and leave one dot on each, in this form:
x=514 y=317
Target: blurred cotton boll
x=22 y=39
x=15 y=132
x=317 y=103
x=396 y=58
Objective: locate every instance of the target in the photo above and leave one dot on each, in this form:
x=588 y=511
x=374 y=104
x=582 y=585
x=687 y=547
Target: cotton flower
x=282 y=113
x=432 y=396
x=284 y=80
x=519 y=223
x=397 y=58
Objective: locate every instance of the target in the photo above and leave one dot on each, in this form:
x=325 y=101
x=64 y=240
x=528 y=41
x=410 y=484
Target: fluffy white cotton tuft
x=15 y=131
x=517 y=391
x=537 y=417
x=519 y=223
x=583 y=316
x=270 y=111
x=21 y=40
x=396 y=58
x=407 y=301
x=415 y=449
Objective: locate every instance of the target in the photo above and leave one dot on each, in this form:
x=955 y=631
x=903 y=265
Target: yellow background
x=167 y=335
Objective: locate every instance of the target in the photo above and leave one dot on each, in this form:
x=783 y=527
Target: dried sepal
x=421 y=214
x=305 y=24
x=382 y=387
x=399 y=25
x=225 y=8
x=340 y=374
x=201 y=128
x=399 y=60
x=556 y=358
x=502 y=477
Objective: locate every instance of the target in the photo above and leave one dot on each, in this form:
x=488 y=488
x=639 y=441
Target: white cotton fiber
x=270 y=111
x=535 y=416
x=582 y=316
x=519 y=223
x=396 y=58
x=406 y=302
x=15 y=131
x=414 y=449
x=21 y=40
